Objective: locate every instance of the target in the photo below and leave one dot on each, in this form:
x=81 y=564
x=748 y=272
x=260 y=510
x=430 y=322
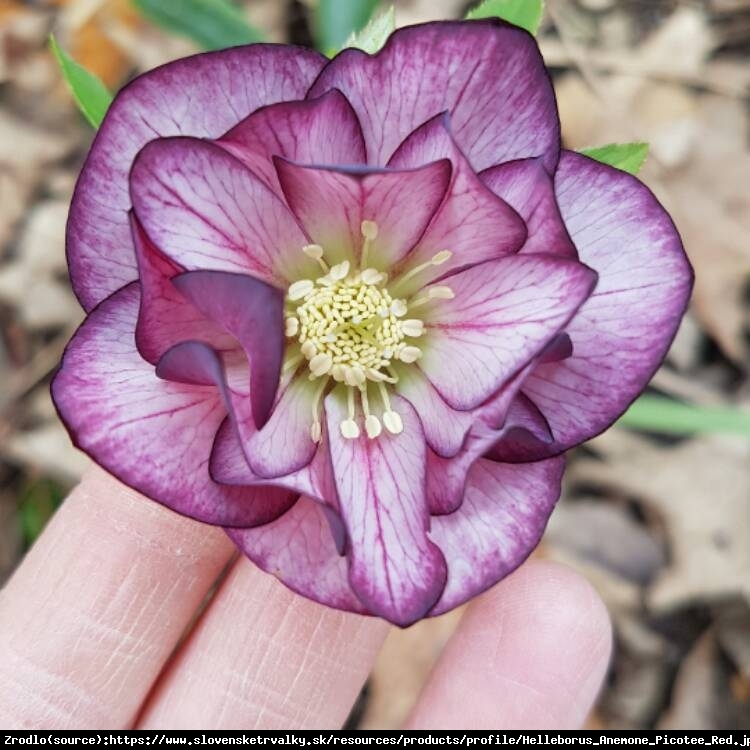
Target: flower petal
x=318 y=131
x=154 y=435
x=444 y=428
x=165 y=317
x=393 y=567
x=502 y=519
x=489 y=75
x=473 y=223
x=622 y=333
x=527 y=186
x=202 y=96
x=205 y=210
x=299 y=549
x=284 y=444
x=501 y=415
x=503 y=314
x=331 y=205
x=253 y=312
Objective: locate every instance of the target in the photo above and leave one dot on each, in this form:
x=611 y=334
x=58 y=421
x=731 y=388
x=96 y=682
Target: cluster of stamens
x=351 y=330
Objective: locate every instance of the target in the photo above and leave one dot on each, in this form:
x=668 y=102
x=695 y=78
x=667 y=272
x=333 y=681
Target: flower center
x=350 y=329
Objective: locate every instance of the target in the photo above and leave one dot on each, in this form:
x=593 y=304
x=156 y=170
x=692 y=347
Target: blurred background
x=658 y=519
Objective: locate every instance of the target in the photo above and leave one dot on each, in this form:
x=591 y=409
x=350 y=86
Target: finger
x=92 y=614
x=530 y=654
x=263 y=657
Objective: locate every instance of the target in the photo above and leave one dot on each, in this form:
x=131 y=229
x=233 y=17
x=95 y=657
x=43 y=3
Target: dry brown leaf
x=700 y=490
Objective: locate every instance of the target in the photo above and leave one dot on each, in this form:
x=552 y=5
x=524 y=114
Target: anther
x=339 y=271
x=321 y=364
x=413 y=328
x=308 y=349
x=371 y=276
x=410 y=354
x=291 y=326
x=316 y=253
x=437 y=260
x=393 y=422
x=373 y=427
x=350 y=429
x=300 y=289
x=399 y=308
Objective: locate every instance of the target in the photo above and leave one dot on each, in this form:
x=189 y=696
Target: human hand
x=89 y=621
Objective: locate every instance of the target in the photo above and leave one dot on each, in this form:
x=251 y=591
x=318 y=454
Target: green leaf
x=524 y=13
x=373 y=36
x=335 y=20
x=39 y=500
x=91 y=95
x=213 y=24
x=629 y=157
x=657 y=414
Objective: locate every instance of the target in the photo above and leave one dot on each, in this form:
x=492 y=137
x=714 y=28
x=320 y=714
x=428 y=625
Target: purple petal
x=502 y=316
x=444 y=428
x=473 y=223
x=202 y=96
x=229 y=465
x=446 y=476
x=331 y=205
x=165 y=317
x=319 y=131
x=205 y=210
x=253 y=313
x=284 y=444
x=487 y=74
x=154 y=435
x=393 y=567
x=299 y=549
x=502 y=519
x=524 y=435
x=622 y=333
x=527 y=186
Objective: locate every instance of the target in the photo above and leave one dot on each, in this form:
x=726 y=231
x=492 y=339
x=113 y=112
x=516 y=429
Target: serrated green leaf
x=629 y=157
x=524 y=13
x=335 y=20
x=374 y=35
x=213 y=24
x=657 y=414
x=91 y=95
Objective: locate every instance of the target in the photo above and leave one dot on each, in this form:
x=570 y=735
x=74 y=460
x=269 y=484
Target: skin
x=92 y=623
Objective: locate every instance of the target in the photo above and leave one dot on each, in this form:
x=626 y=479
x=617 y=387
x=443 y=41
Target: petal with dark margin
x=299 y=549
x=444 y=428
x=622 y=333
x=153 y=435
x=332 y=203
x=229 y=465
x=502 y=316
x=165 y=317
x=205 y=210
x=252 y=312
x=473 y=223
x=317 y=131
x=488 y=74
x=502 y=519
x=284 y=445
x=527 y=186
x=500 y=415
x=393 y=567
x=203 y=96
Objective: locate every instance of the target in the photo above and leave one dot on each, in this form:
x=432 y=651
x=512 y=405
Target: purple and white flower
x=354 y=311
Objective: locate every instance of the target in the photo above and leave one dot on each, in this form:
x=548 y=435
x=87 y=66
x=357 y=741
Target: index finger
x=94 y=611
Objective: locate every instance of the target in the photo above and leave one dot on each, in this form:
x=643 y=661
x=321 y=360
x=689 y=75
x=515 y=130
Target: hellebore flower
x=355 y=310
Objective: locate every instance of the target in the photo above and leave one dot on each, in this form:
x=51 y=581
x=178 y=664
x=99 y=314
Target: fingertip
x=530 y=653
